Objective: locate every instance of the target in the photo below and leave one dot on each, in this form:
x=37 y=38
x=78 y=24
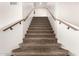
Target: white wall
x=51 y=7
x=40 y=12
x=27 y=7
x=10 y=39
x=68 y=38
x=68 y=11
x=40 y=4
x=9 y=14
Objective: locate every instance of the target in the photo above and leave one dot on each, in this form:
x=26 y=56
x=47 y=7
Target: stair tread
x=40 y=40
x=40 y=31
x=32 y=44
x=40 y=28
x=39 y=25
x=49 y=52
x=40 y=34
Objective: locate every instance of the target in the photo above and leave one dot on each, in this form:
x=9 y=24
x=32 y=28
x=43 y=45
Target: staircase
x=40 y=40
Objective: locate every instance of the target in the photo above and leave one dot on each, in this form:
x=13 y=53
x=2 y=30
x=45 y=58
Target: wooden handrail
x=64 y=22
x=10 y=26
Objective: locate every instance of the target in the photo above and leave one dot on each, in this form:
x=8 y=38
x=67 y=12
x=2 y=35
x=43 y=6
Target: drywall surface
x=27 y=8
x=9 y=13
x=40 y=12
x=68 y=11
x=40 y=4
x=69 y=38
x=51 y=7
x=10 y=39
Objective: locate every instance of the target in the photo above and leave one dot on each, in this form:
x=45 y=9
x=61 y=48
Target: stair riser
x=60 y=53
x=40 y=22
x=15 y=54
x=39 y=33
x=43 y=31
x=40 y=28
x=39 y=25
x=40 y=41
x=37 y=20
x=31 y=45
x=46 y=36
x=39 y=48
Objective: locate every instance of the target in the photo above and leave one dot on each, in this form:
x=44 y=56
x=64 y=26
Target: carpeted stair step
x=50 y=52
x=40 y=22
x=39 y=25
x=40 y=31
x=40 y=28
x=40 y=40
x=33 y=46
x=40 y=35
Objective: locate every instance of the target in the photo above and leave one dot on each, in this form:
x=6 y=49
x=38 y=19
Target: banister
x=69 y=24
x=65 y=22
x=10 y=26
